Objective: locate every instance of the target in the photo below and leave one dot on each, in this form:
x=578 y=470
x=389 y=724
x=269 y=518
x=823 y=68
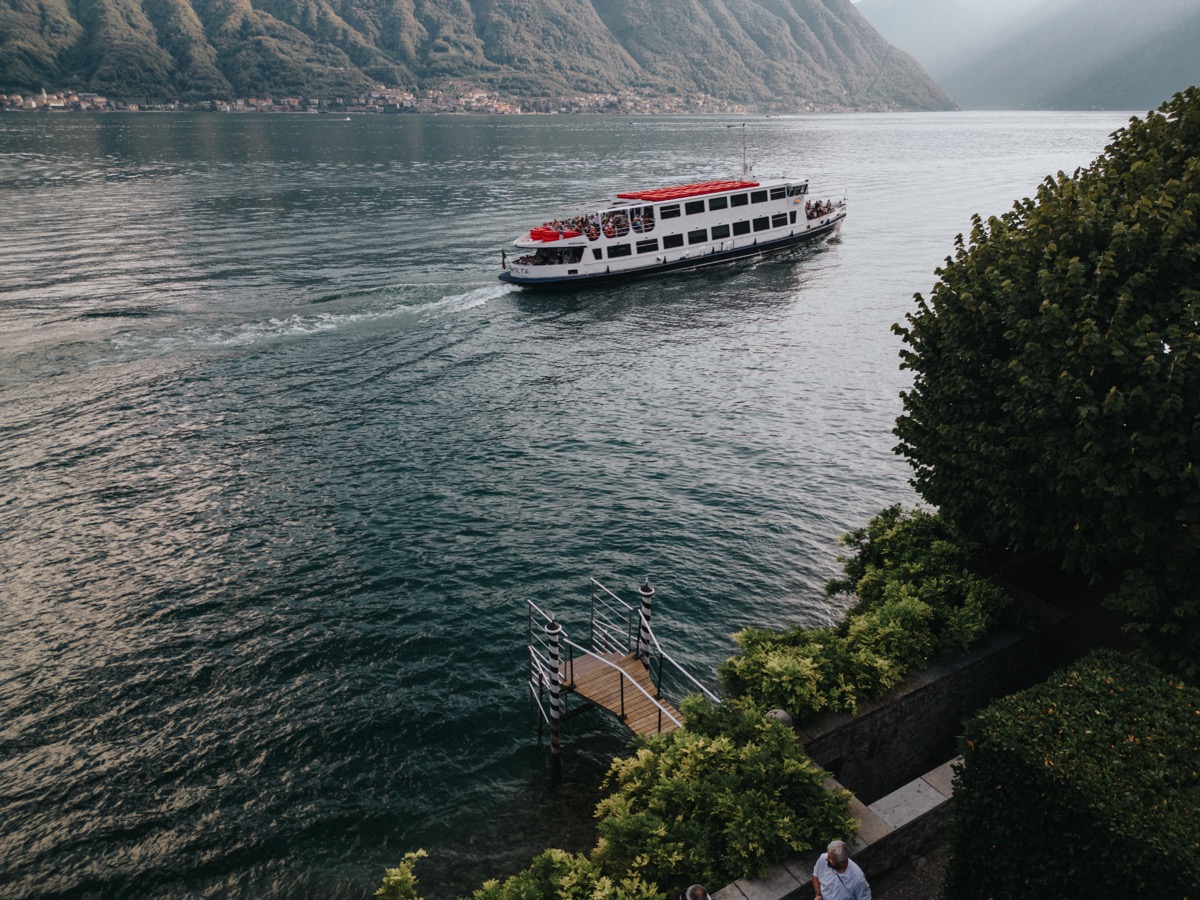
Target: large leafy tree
x=1055 y=403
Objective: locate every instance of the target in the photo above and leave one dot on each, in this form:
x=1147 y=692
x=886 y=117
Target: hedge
x=1085 y=786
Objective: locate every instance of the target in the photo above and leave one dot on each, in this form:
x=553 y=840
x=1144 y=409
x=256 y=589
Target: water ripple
x=282 y=462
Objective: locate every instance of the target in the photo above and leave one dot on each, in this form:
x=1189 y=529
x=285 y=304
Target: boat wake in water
x=245 y=334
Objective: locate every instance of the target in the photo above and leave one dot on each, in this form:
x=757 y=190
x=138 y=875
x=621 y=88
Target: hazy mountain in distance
x=944 y=34
x=785 y=54
x=1048 y=54
x=1087 y=54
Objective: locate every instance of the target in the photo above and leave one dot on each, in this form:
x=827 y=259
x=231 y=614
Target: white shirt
x=848 y=885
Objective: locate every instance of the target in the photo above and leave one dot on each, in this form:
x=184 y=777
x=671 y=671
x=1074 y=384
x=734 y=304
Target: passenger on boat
x=545 y=256
x=818 y=209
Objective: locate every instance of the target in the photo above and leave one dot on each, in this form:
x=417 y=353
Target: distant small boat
x=670 y=229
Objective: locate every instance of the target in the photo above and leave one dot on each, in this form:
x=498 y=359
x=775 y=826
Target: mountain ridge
x=782 y=53
x=1048 y=54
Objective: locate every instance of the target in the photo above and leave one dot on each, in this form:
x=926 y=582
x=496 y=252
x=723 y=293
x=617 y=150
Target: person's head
x=697 y=892
x=837 y=854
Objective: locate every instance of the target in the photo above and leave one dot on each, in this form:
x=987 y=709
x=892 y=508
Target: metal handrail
x=538 y=660
x=610 y=634
x=628 y=608
x=538 y=700
x=625 y=675
x=540 y=611
x=606 y=617
x=664 y=655
x=606 y=636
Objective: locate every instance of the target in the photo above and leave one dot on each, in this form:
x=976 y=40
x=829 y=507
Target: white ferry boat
x=670 y=229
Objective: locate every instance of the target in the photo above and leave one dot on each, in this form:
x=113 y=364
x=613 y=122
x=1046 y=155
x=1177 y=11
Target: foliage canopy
x=1055 y=403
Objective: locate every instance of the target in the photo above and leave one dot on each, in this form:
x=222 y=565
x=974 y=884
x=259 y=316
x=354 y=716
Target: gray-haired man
x=837 y=877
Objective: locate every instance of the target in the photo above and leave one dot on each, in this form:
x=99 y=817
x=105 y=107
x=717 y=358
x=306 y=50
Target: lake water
x=281 y=462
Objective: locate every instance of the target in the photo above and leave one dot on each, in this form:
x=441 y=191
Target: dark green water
x=281 y=463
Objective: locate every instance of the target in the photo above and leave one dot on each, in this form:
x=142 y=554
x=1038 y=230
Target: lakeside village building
x=463 y=99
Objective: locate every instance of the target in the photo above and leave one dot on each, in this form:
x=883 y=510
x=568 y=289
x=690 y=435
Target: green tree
x=1055 y=403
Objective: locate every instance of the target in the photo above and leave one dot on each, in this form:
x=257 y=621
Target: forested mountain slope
x=756 y=51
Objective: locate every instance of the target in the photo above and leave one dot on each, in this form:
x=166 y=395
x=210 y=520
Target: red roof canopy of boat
x=655 y=195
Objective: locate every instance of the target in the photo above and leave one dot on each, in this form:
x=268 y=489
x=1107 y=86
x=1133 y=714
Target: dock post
x=643 y=647
x=554 y=633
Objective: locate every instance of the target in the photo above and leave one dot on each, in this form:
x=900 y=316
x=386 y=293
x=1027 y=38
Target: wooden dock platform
x=603 y=686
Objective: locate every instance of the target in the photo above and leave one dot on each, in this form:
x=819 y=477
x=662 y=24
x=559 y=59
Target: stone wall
x=914 y=728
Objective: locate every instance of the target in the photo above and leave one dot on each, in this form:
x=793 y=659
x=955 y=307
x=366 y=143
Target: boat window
x=797 y=190
x=693 y=206
x=669 y=212
x=739 y=199
x=598 y=253
x=762 y=224
x=719 y=232
x=778 y=220
x=718 y=203
x=672 y=240
x=793 y=217
x=778 y=193
x=699 y=236
x=650 y=246
x=619 y=250
x=758 y=196
x=741 y=227
x=643 y=222
x=557 y=256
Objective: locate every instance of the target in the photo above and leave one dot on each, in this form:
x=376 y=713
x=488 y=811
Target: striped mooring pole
x=558 y=701
x=643 y=648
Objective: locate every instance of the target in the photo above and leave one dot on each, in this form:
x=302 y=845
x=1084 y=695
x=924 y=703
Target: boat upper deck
x=683 y=191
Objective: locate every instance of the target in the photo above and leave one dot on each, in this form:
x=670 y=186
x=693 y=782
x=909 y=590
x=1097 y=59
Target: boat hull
x=713 y=258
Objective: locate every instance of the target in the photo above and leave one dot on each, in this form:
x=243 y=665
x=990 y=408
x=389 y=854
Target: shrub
x=720 y=800
x=1086 y=784
x=919 y=601
x=400 y=883
x=558 y=875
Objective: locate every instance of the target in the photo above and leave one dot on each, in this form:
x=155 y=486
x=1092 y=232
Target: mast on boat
x=747 y=169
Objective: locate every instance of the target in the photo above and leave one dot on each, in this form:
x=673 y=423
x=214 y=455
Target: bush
x=400 y=883
x=919 y=601
x=719 y=800
x=558 y=875
x=1085 y=785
